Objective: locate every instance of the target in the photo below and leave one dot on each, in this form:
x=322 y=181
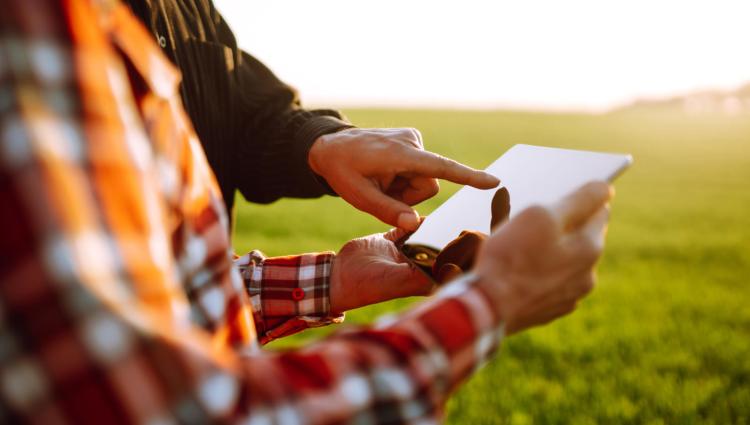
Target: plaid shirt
x=119 y=298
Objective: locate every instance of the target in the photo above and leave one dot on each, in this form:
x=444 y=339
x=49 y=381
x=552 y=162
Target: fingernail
x=492 y=179
x=408 y=221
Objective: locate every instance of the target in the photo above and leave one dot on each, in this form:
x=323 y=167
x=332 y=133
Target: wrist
x=334 y=287
x=500 y=298
x=317 y=153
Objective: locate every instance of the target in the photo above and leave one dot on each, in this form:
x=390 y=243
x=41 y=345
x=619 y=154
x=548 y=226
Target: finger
x=532 y=229
x=369 y=198
x=429 y=164
x=587 y=284
x=448 y=272
x=579 y=251
x=420 y=189
x=578 y=285
x=587 y=244
x=575 y=209
x=500 y=207
x=394 y=235
x=461 y=251
x=595 y=228
x=395 y=187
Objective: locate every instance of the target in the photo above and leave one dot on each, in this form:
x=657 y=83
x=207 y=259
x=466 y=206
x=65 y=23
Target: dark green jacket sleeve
x=252 y=127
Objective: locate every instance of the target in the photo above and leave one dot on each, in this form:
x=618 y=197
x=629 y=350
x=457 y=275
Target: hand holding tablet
x=531 y=175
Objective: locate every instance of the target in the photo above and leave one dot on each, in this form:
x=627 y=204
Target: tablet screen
x=532 y=175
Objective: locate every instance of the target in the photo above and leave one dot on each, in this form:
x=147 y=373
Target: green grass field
x=665 y=337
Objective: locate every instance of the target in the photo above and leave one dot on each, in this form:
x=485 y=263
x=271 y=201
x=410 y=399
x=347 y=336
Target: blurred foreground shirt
x=119 y=298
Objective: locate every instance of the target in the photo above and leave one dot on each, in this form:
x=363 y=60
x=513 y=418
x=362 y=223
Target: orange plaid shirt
x=119 y=298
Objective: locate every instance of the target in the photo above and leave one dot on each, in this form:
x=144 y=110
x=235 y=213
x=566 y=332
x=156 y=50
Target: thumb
x=405 y=280
x=574 y=210
x=370 y=199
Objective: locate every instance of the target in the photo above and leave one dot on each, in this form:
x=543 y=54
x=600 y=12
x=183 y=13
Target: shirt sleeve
x=88 y=336
x=288 y=294
x=102 y=234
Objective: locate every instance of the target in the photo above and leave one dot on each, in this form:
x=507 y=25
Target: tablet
x=532 y=175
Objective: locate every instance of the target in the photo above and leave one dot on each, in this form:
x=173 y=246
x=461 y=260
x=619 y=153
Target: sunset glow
x=537 y=54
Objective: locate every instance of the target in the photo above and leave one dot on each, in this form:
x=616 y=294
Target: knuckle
x=536 y=212
x=417 y=136
x=394 y=151
x=587 y=284
x=590 y=251
x=398 y=155
x=537 y=215
x=432 y=189
x=388 y=142
x=570 y=307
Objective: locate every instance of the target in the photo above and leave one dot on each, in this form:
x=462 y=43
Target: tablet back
x=532 y=174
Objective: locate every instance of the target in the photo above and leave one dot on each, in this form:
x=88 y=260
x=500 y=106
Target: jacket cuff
x=306 y=136
x=278 y=167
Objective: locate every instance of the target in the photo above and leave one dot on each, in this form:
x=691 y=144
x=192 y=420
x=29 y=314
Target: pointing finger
x=429 y=164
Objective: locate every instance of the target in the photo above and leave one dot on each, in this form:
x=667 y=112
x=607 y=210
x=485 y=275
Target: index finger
x=430 y=164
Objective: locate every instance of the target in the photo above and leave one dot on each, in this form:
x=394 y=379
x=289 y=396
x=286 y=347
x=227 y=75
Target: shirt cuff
x=458 y=330
x=288 y=294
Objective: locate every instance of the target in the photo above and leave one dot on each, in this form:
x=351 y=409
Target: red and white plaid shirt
x=119 y=298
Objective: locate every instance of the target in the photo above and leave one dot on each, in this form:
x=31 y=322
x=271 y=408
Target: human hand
x=385 y=171
x=538 y=265
x=370 y=270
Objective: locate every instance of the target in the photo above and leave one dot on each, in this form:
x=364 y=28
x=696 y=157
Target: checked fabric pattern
x=288 y=294
x=119 y=298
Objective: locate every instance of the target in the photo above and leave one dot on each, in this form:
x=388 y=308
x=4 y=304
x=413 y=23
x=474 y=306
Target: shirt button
x=298 y=294
x=162 y=41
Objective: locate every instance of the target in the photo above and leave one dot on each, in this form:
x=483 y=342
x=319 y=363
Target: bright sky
x=540 y=54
